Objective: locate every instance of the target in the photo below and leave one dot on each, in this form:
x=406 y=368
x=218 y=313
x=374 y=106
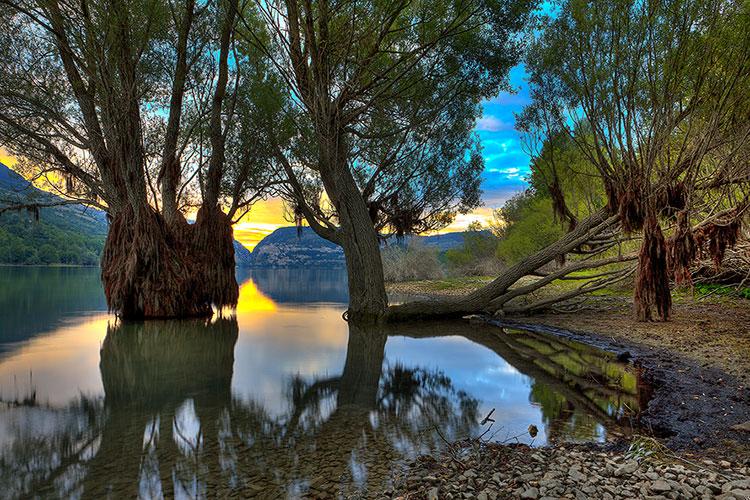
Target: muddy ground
x=698 y=363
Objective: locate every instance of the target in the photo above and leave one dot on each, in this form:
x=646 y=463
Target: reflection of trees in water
x=168 y=424
x=577 y=387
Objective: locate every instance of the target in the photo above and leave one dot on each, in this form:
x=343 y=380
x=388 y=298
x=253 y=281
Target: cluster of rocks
x=568 y=471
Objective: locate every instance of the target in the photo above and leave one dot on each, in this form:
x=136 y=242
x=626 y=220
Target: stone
x=660 y=486
x=743 y=427
x=626 y=469
x=530 y=493
x=576 y=475
x=432 y=494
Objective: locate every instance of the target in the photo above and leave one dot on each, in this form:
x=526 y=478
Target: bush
x=415 y=261
x=531 y=226
x=476 y=257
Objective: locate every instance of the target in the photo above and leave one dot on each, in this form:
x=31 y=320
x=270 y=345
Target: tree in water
x=386 y=95
x=655 y=97
x=147 y=110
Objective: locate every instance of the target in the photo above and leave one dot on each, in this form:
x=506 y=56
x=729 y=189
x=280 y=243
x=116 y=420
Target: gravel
x=572 y=471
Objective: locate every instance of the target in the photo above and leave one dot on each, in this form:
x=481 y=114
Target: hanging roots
x=714 y=238
x=214 y=248
x=652 y=282
x=672 y=199
x=559 y=206
x=147 y=272
x=299 y=216
x=152 y=270
x=628 y=202
x=681 y=250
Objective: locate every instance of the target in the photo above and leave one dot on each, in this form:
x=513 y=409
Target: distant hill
x=242 y=256
x=286 y=248
x=69 y=234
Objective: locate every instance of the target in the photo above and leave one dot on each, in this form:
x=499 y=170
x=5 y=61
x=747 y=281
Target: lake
x=281 y=398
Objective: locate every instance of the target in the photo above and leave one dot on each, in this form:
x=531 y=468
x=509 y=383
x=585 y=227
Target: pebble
x=568 y=471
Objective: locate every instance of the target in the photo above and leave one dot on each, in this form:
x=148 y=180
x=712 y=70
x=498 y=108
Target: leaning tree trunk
x=151 y=269
x=368 y=301
x=492 y=297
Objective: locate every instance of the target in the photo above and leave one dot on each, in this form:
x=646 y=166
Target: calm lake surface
x=280 y=399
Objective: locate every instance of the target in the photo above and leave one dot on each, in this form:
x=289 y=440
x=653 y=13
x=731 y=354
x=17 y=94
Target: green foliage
x=722 y=290
x=28 y=242
x=530 y=226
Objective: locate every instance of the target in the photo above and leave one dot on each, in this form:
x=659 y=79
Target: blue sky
x=506 y=165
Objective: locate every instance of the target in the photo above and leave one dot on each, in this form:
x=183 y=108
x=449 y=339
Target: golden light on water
x=252 y=300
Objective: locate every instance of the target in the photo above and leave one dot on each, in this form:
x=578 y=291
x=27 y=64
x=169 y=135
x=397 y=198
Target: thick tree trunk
x=151 y=269
x=368 y=301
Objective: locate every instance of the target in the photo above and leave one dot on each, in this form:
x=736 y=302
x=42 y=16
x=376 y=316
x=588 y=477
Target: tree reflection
x=169 y=426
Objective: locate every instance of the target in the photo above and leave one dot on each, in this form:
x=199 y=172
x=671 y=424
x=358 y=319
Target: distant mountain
x=242 y=256
x=69 y=234
x=286 y=248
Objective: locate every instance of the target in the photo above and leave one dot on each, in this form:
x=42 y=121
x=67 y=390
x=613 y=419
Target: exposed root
x=153 y=270
x=652 y=282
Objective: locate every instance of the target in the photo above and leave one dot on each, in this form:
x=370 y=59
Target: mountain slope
x=69 y=234
x=286 y=248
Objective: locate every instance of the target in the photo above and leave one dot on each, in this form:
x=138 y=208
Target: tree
x=384 y=99
x=147 y=109
x=655 y=96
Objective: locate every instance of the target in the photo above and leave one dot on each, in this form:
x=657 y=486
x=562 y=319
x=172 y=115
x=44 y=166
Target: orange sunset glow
x=268 y=215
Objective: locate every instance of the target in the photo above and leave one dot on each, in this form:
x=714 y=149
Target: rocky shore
x=492 y=471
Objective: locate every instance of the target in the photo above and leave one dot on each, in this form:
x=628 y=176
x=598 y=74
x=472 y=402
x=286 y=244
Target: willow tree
x=655 y=96
x=147 y=110
x=384 y=99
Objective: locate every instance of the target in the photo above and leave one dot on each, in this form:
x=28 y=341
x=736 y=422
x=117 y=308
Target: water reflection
x=281 y=399
x=169 y=425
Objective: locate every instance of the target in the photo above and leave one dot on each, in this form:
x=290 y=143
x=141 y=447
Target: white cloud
x=491 y=123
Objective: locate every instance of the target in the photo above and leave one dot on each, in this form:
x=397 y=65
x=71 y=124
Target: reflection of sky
x=277 y=341
x=478 y=371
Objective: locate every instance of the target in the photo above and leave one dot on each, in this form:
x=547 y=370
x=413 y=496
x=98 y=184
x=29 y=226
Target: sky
x=506 y=167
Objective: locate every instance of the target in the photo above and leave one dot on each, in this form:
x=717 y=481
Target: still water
x=280 y=399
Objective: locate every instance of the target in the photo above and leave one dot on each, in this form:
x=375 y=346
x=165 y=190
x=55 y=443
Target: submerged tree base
x=154 y=270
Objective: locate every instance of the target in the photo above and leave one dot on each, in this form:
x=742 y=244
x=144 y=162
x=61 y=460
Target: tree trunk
x=484 y=298
x=368 y=302
x=151 y=269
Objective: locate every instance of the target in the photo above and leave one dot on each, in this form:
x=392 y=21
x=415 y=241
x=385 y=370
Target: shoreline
x=487 y=471
x=698 y=365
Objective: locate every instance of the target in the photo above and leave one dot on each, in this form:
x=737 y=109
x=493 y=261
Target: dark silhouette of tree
x=385 y=98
